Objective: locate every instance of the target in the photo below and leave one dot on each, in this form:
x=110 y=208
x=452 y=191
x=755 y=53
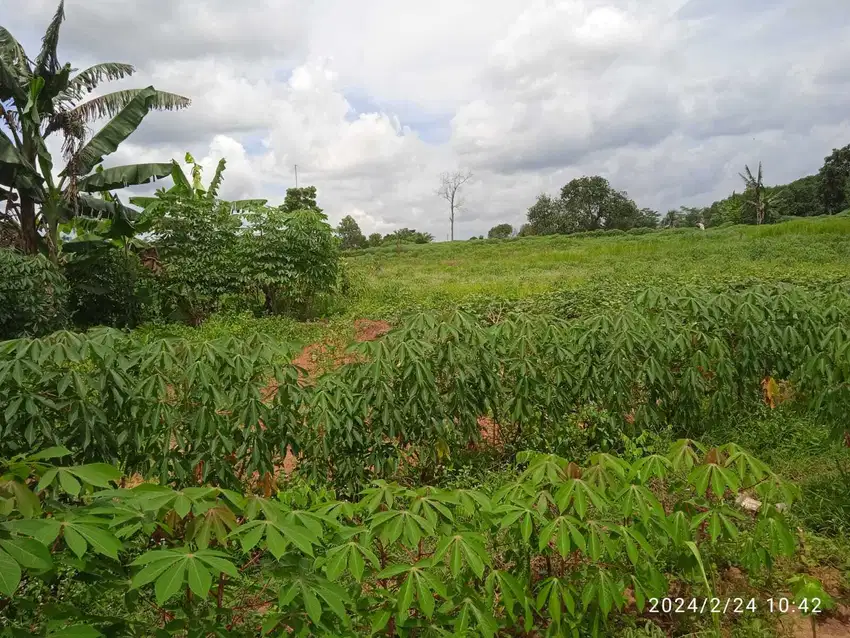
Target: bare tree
x=450 y=184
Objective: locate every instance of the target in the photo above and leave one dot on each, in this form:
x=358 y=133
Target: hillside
x=445 y=274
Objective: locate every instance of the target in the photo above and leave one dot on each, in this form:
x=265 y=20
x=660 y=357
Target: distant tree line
x=351 y=237
x=591 y=203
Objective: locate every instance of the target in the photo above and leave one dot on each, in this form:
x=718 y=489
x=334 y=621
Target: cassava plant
x=552 y=549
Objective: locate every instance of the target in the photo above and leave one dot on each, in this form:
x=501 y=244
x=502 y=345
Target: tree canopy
x=500 y=231
x=587 y=203
x=834 y=178
x=349 y=233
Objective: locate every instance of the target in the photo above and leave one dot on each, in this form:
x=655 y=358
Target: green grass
x=445 y=274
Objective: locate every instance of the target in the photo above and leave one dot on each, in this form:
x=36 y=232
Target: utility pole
x=296 y=176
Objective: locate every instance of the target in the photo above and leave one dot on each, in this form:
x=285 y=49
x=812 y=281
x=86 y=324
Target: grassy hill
x=445 y=274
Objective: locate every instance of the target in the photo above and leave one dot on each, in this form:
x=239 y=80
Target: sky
x=373 y=99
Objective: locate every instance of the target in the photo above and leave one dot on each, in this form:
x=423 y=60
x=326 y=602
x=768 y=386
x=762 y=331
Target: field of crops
x=535 y=437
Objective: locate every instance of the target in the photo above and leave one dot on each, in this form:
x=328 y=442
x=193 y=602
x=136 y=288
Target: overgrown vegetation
x=509 y=449
x=550 y=550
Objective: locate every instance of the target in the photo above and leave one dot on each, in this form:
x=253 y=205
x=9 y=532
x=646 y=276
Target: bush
x=279 y=261
x=196 y=241
x=109 y=287
x=33 y=295
x=584 y=546
x=291 y=258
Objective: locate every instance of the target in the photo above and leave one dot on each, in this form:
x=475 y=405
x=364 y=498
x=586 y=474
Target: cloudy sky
x=373 y=99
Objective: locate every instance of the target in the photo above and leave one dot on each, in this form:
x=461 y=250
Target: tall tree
x=500 y=231
x=587 y=203
x=450 y=185
x=594 y=204
x=834 y=176
x=672 y=219
x=300 y=199
x=350 y=234
x=375 y=239
x=40 y=97
x=544 y=217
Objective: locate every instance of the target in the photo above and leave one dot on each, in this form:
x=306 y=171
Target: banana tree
x=42 y=97
x=185 y=189
x=757 y=197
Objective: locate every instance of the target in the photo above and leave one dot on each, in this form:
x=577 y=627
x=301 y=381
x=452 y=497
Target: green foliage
x=833 y=177
x=184 y=190
x=291 y=257
x=500 y=231
x=168 y=408
x=210 y=254
x=598 y=272
x=555 y=549
x=108 y=287
x=407 y=236
x=300 y=199
x=349 y=234
x=800 y=198
x=42 y=97
x=197 y=241
x=33 y=295
x=587 y=204
x=175 y=410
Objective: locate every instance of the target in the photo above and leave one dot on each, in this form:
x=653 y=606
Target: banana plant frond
x=107 y=139
x=87 y=80
x=215 y=184
x=123 y=176
x=111 y=104
x=13 y=54
x=47 y=62
x=246 y=204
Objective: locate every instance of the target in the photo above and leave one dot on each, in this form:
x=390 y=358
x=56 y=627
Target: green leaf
x=426 y=599
x=100 y=540
x=29 y=553
x=275 y=543
x=182 y=505
x=117 y=177
x=51 y=453
x=44 y=530
x=119 y=128
x=75 y=541
x=69 y=483
x=312 y=604
x=170 y=582
x=47 y=479
x=151 y=572
x=218 y=563
x=97 y=474
x=10 y=574
x=200 y=580
x=405 y=595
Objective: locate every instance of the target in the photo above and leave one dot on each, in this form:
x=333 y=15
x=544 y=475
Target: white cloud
x=372 y=100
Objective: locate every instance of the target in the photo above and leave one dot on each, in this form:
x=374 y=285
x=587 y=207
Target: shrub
x=109 y=287
x=291 y=258
x=555 y=548
x=196 y=241
x=33 y=295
